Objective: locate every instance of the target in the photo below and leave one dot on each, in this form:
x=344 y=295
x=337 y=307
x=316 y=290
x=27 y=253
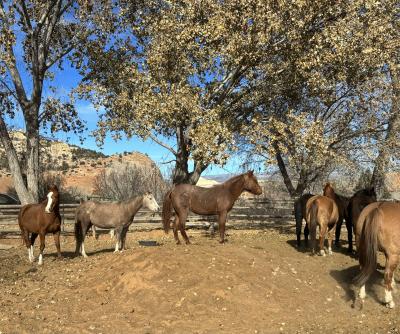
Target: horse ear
x=251 y=172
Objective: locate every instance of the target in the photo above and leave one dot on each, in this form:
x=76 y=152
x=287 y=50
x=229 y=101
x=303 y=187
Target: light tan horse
x=322 y=211
x=378 y=228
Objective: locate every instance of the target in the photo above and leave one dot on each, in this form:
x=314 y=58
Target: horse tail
x=368 y=246
x=167 y=211
x=78 y=233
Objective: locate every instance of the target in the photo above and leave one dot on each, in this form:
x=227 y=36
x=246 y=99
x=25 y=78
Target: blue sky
x=68 y=79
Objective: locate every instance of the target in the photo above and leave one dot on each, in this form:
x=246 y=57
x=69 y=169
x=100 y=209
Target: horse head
x=150 y=202
x=251 y=183
x=52 y=199
x=329 y=191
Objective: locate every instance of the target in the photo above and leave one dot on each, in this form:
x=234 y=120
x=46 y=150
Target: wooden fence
x=246 y=213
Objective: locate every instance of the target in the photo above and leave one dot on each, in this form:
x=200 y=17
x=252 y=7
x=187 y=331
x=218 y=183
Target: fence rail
x=249 y=211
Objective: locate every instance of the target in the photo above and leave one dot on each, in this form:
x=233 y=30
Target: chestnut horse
x=380 y=230
x=217 y=200
x=299 y=214
x=322 y=211
x=40 y=219
x=114 y=215
x=357 y=203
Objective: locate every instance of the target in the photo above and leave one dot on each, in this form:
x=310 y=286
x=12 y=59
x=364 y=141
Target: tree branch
x=159 y=142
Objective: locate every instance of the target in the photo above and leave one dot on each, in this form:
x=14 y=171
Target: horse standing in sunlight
x=115 y=215
x=379 y=229
x=322 y=211
x=40 y=219
x=217 y=200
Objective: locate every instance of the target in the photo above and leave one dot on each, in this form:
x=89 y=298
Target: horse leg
x=337 y=234
x=313 y=233
x=27 y=241
x=175 y=229
x=33 y=238
x=118 y=243
x=349 y=227
x=306 y=233
x=42 y=245
x=56 y=237
x=322 y=231
x=391 y=265
x=123 y=236
x=85 y=228
x=182 y=225
x=299 y=221
x=330 y=239
x=221 y=226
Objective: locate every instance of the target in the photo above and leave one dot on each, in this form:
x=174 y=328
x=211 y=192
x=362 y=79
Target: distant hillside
x=79 y=166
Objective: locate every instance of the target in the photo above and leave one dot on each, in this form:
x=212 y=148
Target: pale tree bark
x=382 y=161
x=39 y=39
x=24 y=195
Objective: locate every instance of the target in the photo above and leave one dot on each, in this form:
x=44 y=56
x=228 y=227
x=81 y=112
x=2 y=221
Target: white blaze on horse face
x=49 y=201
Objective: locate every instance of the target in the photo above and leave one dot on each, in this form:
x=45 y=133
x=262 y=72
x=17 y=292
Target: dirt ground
x=256 y=283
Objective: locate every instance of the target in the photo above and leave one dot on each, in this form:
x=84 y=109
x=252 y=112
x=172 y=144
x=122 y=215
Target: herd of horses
x=376 y=224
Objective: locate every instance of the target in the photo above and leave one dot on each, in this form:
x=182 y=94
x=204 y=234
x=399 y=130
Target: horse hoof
x=390 y=304
x=322 y=253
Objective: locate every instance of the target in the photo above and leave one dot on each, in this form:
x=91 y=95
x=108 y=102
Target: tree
x=45 y=32
x=176 y=69
x=329 y=103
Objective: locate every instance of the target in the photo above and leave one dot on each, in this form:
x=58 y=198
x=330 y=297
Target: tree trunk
x=181 y=172
x=32 y=151
x=15 y=168
x=302 y=182
x=382 y=161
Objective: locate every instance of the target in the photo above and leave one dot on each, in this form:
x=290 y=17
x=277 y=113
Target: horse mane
x=329 y=191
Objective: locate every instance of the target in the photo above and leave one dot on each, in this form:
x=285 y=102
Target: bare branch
x=159 y=142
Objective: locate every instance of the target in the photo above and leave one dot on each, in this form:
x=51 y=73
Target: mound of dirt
x=256 y=283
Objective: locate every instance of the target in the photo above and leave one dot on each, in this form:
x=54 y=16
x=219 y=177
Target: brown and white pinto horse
x=378 y=228
x=40 y=219
x=322 y=211
x=217 y=200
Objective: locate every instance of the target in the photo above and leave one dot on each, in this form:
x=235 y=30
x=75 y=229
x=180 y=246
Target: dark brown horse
x=300 y=214
x=217 y=200
x=322 y=211
x=356 y=204
x=114 y=215
x=379 y=224
x=40 y=219
x=342 y=203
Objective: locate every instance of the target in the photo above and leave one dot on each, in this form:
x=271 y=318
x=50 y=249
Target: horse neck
x=236 y=186
x=133 y=205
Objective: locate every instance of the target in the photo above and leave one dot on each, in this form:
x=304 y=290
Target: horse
x=114 y=215
x=342 y=204
x=358 y=202
x=380 y=230
x=217 y=200
x=40 y=219
x=299 y=214
x=322 y=211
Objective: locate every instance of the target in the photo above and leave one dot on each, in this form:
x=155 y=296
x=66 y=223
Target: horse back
x=201 y=200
